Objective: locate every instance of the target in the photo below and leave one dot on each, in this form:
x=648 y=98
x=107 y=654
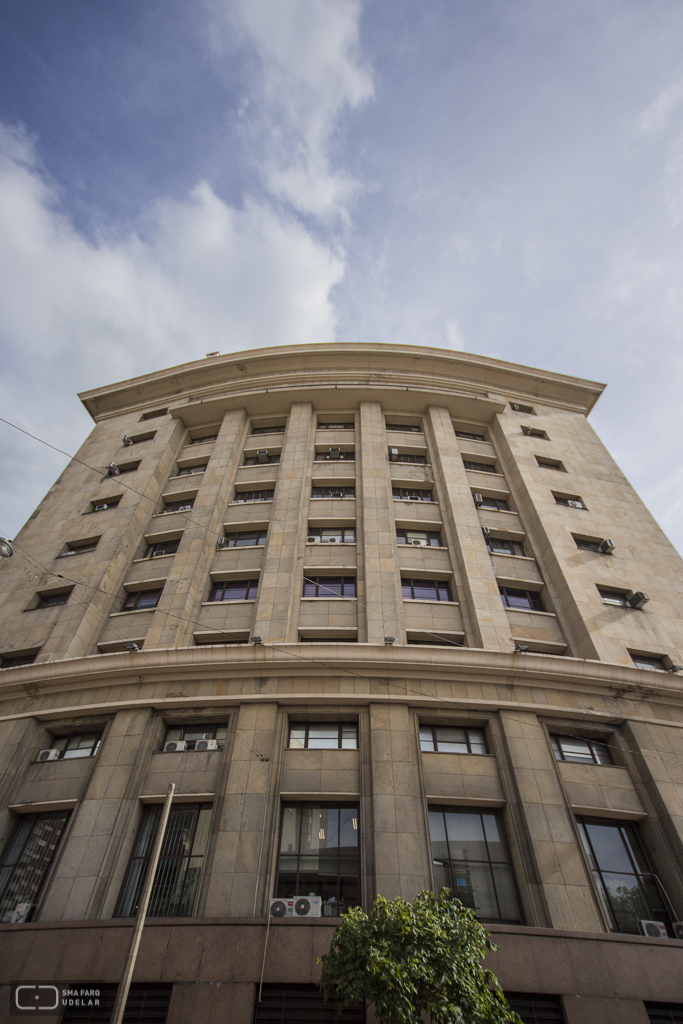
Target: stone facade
x=523 y=495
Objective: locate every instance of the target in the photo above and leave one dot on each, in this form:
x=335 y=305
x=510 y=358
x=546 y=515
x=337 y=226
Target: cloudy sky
x=499 y=176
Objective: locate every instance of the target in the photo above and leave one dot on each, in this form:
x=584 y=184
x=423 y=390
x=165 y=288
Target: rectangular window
x=262 y=460
x=550 y=464
x=419 y=538
x=493 y=504
x=498 y=546
x=246 y=539
x=664 y=1013
x=323 y=735
x=516 y=407
x=471 y=859
x=452 y=739
x=192 y=470
x=162 y=547
x=202 y=439
x=581 y=751
x=335 y=455
x=513 y=598
x=648 y=661
x=51 y=600
x=16 y=660
x=278 y=428
x=330 y=638
x=586 y=545
x=234 y=590
x=139 y=438
x=408 y=428
x=570 y=500
x=468 y=436
x=413 y=460
x=193 y=734
x=27 y=858
x=139 y=600
x=124 y=467
x=534 y=432
x=183 y=505
x=615 y=597
x=146 y=1004
x=78 y=547
x=329 y=586
x=178 y=874
x=333 y=492
x=536 y=1009
x=292 y=1004
x=425 y=590
x=335 y=425
x=331 y=535
x=247 y=496
x=319 y=854
x=81 y=745
x=622 y=873
x=153 y=415
x=104 y=504
x=480 y=467
x=412 y=494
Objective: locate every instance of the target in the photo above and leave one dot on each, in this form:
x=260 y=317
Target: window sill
x=133 y=611
x=323 y=598
x=184 y=476
x=237 y=600
x=506 y=554
x=254 y=501
x=422 y=547
x=529 y=611
x=415 y=501
x=344 y=497
x=326 y=543
x=237 y=547
x=158 y=515
x=502 y=511
x=426 y=600
x=150 y=558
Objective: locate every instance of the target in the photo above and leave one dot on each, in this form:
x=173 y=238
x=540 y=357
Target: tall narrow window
x=27 y=858
x=471 y=859
x=176 y=882
x=319 y=855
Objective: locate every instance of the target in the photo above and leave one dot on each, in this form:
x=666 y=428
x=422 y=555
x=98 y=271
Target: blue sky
x=499 y=176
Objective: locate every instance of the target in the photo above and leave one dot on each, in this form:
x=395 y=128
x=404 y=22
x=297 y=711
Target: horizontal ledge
x=530 y=611
x=465 y=801
x=608 y=812
x=39 y=806
x=151 y=559
x=309 y=796
x=239 y=600
x=424 y=600
x=110 y=645
x=134 y=585
x=133 y=611
x=178 y=798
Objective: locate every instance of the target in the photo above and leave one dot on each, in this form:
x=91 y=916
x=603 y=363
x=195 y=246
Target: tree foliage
x=417 y=958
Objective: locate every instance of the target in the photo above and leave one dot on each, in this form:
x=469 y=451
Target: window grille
x=27 y=858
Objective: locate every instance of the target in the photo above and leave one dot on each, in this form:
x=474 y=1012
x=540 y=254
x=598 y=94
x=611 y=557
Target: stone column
x=20 y=741
x=484 y=617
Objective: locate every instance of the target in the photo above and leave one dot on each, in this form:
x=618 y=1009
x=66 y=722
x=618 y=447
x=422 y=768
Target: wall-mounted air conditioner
x=678 y=929
x=334 y=453
x=639 y=599
x=101 y=508
x=526 y=430
x=48 y=755
x=125 y=440
x=112 y=469
x=296 y=906
x=331 y=540
x=155 y=554
x=336 y=494
x=654 y=929
x=173 y=746
x=184 y=508
x=515 y=406
x=262 y=455
x=206 y=745
x=20 y=914
x=221 y=543
x=575 y=504
x=607 y=546
x=313 y=540
x=393 y=454
x=478 y=499
x=419 y=543
x=486 y=530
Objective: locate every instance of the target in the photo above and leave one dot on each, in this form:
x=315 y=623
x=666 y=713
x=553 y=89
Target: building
x=389 y=617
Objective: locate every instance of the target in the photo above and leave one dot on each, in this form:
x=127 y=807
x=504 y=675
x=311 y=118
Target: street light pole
x=124 y=985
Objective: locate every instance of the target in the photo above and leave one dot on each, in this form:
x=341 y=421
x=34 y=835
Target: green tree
x=417 y=958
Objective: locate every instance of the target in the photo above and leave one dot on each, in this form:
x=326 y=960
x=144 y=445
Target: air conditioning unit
x=20 y=913
x=334 y=453
x=654 y=929
x=486 y=530
x=184 y=508
x=125 y=440
x=393 y=454
x=513 y=405
x=575 y=504
x=112 y=469
x=526 y=430
x=639 y=599
x=331 y=540
x=48 y=755
x=173 y=746
x=155 y=554
x=479 y=499
x=678 y=929
x=313 y=540
x=296 y=906
x=262 y=455
x=101 y=508
x=419 y=543
x=607 y=546
x=206 y=745
x=336 y=494
x=221 y=543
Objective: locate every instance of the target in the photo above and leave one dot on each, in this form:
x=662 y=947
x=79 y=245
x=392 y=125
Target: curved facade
x=390 y=618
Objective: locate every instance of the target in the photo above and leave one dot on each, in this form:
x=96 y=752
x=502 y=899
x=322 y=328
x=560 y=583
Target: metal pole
x=124 y=985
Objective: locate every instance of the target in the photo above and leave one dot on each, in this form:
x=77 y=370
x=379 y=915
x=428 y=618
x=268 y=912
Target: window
x=234 y=590
x=140 y=600
x=616 y=597
x=331 y=534
x=536 y=1009
x=191 y=470
x=425 y=590
x=323 y=735
x=79 y=547
x=247 y=496
x=291 y=1004
x=427 y=640
x=246 y=539
x=16 y=660
x=471 y=859
x=513 y=598
x=516 y=407
x=53 y=599
x=202 y=439
x=27 y=857
x=335 y=455
x=622 y=873
x=126 y=467
x=498 y=546
x=414 y=460
x=261 y=460
x=586 y=545
x=550 y=464
x=153 y=415
x=452 y=739
x=411 y=494
x=319 y=854
x=330 y=586
x=279 y=428
x=480 y=467
x=572 y=500
x=139 y=438
x=146 y=1004
x=419 y=538
x=81 y=745
x=408 y=428
x=182 y=505
x=192 y=734
x=101 y=505
x=648 y=661
x=535 y=432
x=329 y=639
x=338 y=425
x=665 y=1013
x=333 y=492
x=161 y=547
x=581 y=751
x=176 y=882
x=468 y=436
x=494 y=504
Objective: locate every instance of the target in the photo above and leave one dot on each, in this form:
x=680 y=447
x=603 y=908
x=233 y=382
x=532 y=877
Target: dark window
x=202 y=641
x=180 y=866
x=292 y=1004
x=193 y=734
x=330 y=586
x=153 y=415
x=426 y=590
x=27 y=857
x=550 y=464
x=452 y=739
x=665 y=1013
x=346 y=425
x=162 y=547
x=335 y=456
x=412 y=494
x=534 y=432
x=622 y=874
x=51 y=600
x=277 y=429
x=480 y=467
x=80 y=745
x=648 y=661
x=183 y=505
x=246 y=539
x=319 y=854
x=137 y=600
x=516 y=407
x=408 y=428
x=616 y=597
x=497 y=546
x=261 y=460
x=139 y=438
x=234 y=590
x=419 y=538
x=572 y=500
x=471 y=859
x=324 y=735
x=536 y=1009
x=582 y=751
x=203 y=439
x=15 y=660
x=513 y=598
x=333 y=492
x=79 y=547
x=126 y=467
x=328 y=639
x=331 y=534
x=469 y=437
x=192 y=470
x=415 y=460
x=245 y=496
x=587 y=545
x=105 y=503
x=146 y=1004
x=497 y=504
x=428 y=641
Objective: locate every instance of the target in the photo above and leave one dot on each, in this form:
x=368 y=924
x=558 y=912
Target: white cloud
x=656 y=116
